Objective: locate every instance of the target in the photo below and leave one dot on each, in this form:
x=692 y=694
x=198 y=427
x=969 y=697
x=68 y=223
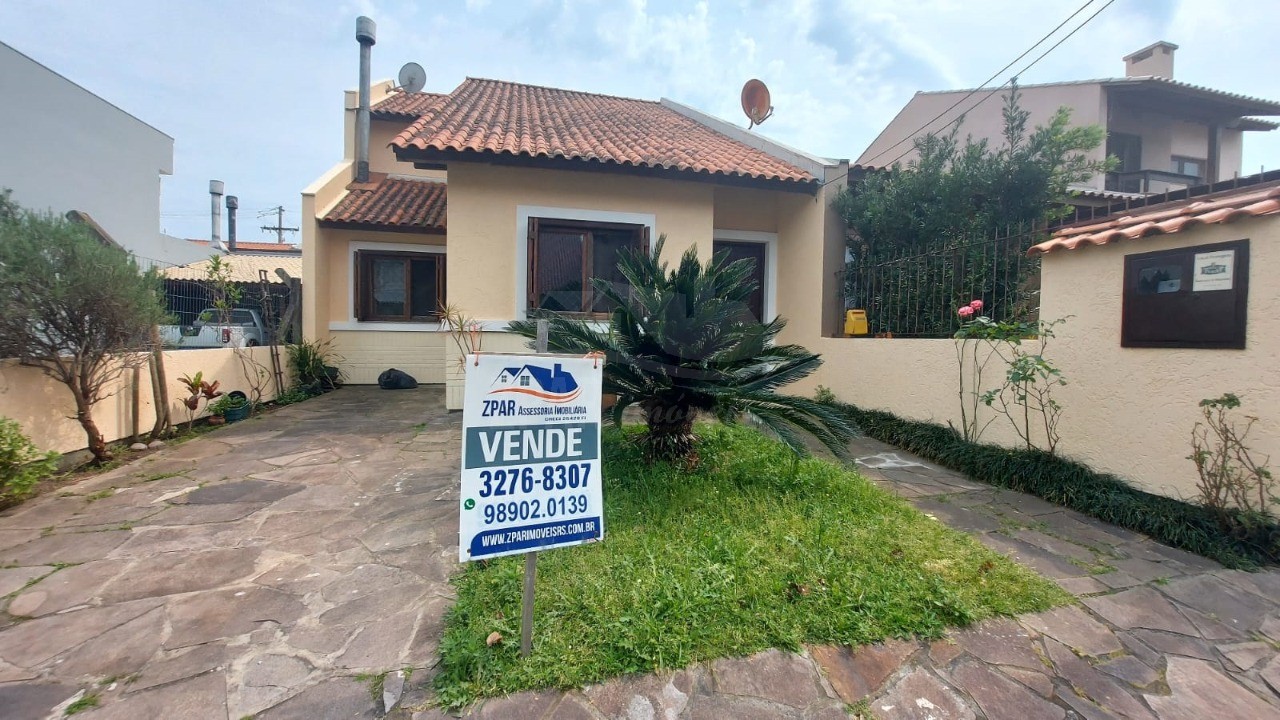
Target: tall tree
x=681 y=342
x=73 y=307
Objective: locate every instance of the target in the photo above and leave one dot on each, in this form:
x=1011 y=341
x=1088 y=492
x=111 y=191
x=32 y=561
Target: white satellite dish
x=412 y=77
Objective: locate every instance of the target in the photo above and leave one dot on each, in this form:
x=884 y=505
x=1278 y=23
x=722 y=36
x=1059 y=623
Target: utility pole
x=279 y=229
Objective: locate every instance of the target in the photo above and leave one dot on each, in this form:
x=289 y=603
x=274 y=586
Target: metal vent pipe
x=215 y=200
x=366 y=33
x=233 y=203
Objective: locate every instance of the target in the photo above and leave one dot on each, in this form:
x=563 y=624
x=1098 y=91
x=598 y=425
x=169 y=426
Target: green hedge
x=1235 y=540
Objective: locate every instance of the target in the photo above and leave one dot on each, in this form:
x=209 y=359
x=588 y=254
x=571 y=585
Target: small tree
x=681 y=343
x=73 y=307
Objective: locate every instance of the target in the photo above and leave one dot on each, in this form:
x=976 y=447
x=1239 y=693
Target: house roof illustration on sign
x=548 y=384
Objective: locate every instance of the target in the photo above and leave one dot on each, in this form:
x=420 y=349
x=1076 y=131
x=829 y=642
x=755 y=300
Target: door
x=755 y=252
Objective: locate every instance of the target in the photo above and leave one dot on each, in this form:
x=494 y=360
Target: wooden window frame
x=1185 y=318
x=538 y=225
x=364 y=285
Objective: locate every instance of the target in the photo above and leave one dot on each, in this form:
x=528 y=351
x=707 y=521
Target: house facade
x=506 y=200
x=81 y=153
x=1166 y=134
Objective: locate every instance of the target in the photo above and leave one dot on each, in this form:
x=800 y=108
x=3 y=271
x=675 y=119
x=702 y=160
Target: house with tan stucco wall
x=505 y=200
x=1165 y=134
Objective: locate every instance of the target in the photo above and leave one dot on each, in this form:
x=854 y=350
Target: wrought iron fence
x=915 y=291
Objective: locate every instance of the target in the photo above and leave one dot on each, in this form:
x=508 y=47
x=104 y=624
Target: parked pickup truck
x=246 y=329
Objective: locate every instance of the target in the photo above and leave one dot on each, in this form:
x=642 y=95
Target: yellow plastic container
x=855 y=322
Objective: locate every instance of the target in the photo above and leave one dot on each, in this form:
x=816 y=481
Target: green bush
x=313 y=366
x=21 y=463
x=1073 y=485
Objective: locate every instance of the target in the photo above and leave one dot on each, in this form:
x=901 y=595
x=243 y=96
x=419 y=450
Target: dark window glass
x=559 y=275
x=566 y=258
x=605 y=248
x=388 y=287
x=424 y=293
x=399 y=286
x=755 y=252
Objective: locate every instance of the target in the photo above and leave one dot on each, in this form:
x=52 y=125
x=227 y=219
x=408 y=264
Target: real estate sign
x=530 y=454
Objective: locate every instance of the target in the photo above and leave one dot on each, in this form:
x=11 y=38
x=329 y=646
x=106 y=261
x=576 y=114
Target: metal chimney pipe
x=215 y=197
x=366 y=33
x=233 y=203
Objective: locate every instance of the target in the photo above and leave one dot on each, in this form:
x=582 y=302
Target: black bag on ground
x=394 y=379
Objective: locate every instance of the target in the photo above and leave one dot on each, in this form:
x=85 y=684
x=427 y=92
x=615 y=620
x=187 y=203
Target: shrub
x=313 y=366
x=21 y=463
x=681 y=342
x=1070 y=484
x=1230 y=479
x=74 y=307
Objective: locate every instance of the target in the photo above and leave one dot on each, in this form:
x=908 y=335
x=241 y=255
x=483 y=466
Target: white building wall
x=63 y=148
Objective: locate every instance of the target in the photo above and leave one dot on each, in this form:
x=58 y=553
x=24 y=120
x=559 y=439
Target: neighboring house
x=240 y=247
x=188 y=290
x=70 y=150
x=1166 y=134
x=504 y=200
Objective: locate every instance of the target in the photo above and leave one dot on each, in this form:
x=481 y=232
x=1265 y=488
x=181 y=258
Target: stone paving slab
x=272 y=568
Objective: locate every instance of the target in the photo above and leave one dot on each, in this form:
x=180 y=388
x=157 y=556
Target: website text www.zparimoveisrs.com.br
x=521 y=535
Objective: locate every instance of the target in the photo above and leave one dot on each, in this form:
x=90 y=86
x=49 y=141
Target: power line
x=996 y=74
x=1020 y=72
x=279 y=229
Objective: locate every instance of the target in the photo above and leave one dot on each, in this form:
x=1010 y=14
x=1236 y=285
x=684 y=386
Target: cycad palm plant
x=681 y=342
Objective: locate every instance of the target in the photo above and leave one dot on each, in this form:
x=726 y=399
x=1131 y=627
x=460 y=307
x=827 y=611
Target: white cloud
x=251 y=91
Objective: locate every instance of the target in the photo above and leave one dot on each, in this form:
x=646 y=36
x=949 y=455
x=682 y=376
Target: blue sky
x=252 y=91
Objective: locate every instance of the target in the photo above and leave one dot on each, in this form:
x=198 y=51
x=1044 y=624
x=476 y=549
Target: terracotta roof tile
x=392 y=202
x=405 y=105
x=1168 y=218
x=261 y=247
x=489 y=116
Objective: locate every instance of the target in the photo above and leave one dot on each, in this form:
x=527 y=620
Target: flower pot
x=217 y=420
x=239 y=412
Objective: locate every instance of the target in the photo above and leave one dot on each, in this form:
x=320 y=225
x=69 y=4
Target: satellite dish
x=412 y=77
x=755 y=102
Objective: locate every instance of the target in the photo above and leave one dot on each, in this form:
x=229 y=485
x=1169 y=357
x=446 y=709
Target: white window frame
x=351 y=323
x=526 y=212
x=770 y=241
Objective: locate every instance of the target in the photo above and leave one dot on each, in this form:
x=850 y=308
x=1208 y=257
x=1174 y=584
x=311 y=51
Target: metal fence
x=916 y=291
x=277 y=303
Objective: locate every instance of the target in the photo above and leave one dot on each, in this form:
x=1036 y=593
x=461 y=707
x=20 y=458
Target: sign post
x=531 y=557
x=531 y=475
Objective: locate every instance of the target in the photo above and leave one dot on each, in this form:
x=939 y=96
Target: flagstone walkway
x=273 y=568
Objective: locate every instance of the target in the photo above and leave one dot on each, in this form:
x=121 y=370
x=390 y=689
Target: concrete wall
x=45 y=409
x=64 y=148
x=1128 y=411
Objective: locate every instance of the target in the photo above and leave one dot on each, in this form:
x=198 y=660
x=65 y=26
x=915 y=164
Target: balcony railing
x=1150 y=181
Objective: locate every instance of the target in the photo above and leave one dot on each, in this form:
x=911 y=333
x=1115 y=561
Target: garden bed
x=751 y=550
x=1240 y=541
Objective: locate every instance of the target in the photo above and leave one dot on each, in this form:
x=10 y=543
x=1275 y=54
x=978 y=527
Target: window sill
x=384 y=326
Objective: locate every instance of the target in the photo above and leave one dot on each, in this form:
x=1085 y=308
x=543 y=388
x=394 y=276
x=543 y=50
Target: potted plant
x=198 y=389
x=232 y=407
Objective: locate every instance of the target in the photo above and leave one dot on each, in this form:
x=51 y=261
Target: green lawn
x=750 y=551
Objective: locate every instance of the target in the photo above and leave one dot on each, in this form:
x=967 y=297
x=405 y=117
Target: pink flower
x=976 y=305
x=965 y=312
